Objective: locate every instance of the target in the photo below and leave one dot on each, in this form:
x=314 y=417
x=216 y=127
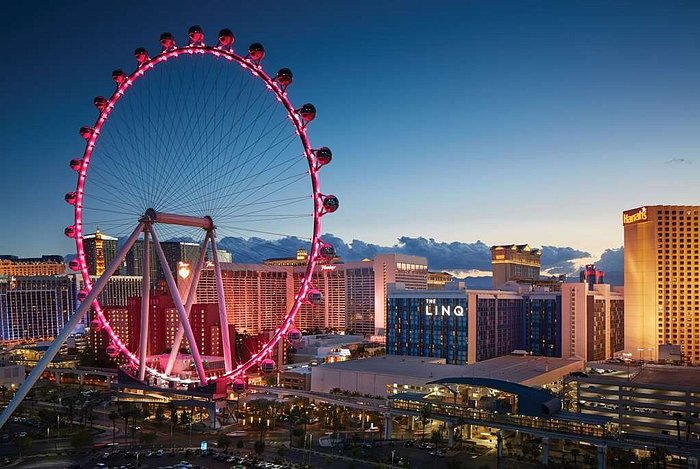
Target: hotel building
x=593 y=321
x=99 y=249
x=175 y=253
x=14 y=266
x=258 y=296
x=514 y=262
x=461 y=326
x=35 y=307
x=466 y=326
x=662 y=280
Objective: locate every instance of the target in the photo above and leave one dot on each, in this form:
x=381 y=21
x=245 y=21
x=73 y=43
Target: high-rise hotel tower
x=662 y=280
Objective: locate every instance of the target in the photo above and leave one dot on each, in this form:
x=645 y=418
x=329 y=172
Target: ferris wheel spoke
x=133 y=143
x=200 y=132
x=183 y=146
x=191 y=150
x=215 y=194
x=111 y=188
x=133 y=171
x=248 y=132
x=239 y=220
x=247 y=192
x=263 y=202
x=98 y=209
x=250 y=230
x=208 y=156
x=270 y=167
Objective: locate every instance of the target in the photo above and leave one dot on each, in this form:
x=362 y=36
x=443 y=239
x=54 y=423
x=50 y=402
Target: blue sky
x=498 y=121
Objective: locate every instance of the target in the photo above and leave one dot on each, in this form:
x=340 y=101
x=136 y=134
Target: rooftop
x=527 y=370
x=679 y=376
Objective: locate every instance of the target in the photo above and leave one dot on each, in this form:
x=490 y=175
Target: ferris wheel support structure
x=191 y=298
x=51 y=352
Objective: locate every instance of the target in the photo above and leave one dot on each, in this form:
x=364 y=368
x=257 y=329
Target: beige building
x=593 y=321
x=514 y=262
x=438 y=280
x=662 y=284
x=14 y=266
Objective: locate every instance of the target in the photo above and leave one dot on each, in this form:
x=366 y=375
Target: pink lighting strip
x=300 y=127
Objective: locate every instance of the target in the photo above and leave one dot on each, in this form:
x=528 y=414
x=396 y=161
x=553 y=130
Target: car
x=408 y=444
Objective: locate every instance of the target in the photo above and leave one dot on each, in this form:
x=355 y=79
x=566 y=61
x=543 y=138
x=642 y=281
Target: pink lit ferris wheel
x=199 y=144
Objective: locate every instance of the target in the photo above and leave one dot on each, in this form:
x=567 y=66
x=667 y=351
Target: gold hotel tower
x=662 y=284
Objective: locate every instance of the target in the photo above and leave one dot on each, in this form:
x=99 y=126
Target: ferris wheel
x=198 y=143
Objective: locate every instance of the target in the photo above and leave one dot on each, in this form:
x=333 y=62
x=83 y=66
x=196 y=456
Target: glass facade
x=428 y=327
x=542 y=326
x=35 y=307
x=499 y=322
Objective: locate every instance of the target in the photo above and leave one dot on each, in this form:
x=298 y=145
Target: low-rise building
x=660 y=401
x=385 y=375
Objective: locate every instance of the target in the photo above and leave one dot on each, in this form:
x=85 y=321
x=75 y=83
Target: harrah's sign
x=634 y=216
x=432 y=309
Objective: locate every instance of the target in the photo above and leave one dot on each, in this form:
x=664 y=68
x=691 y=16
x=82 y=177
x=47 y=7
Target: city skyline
x=564 y=109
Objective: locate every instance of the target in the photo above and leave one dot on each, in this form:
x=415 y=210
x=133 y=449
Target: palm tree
x=173 y=419
x=425 y=414
x=113 y=416
x=69 y=409
x=678 y=416
x=126 y=412
x=262 y=409
x=224 y=442
x=575 y=454
x=293 y=415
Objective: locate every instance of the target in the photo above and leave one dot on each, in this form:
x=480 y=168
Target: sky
x=501 y=121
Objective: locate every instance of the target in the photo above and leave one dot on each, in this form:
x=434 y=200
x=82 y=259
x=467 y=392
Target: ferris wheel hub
x=152 y=216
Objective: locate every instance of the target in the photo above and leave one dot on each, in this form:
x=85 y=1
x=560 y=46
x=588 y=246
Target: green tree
x=259 y=447
x=261 y=410
x=575 y=453
x=148 y=438
x=160 y=414
x=126 y=412
x=23 y=444
x=436 y=438
x=425 y=414
x=282 y=451
x=113 y=416
x=82 y=439
x=240 y=444
x=69 y=409
x=224 y=442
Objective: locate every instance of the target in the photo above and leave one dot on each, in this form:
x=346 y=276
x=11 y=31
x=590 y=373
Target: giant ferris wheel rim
x=92 y=134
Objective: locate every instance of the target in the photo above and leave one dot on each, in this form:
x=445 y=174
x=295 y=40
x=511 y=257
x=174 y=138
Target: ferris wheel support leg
x=191 y=296
x=174 y=293
x=51 y=352
x=145 y=303
x=223 y=319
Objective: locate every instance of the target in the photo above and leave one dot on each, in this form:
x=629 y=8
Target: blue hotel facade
x=433 y=327
x=542 y=324
x=465 y=326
